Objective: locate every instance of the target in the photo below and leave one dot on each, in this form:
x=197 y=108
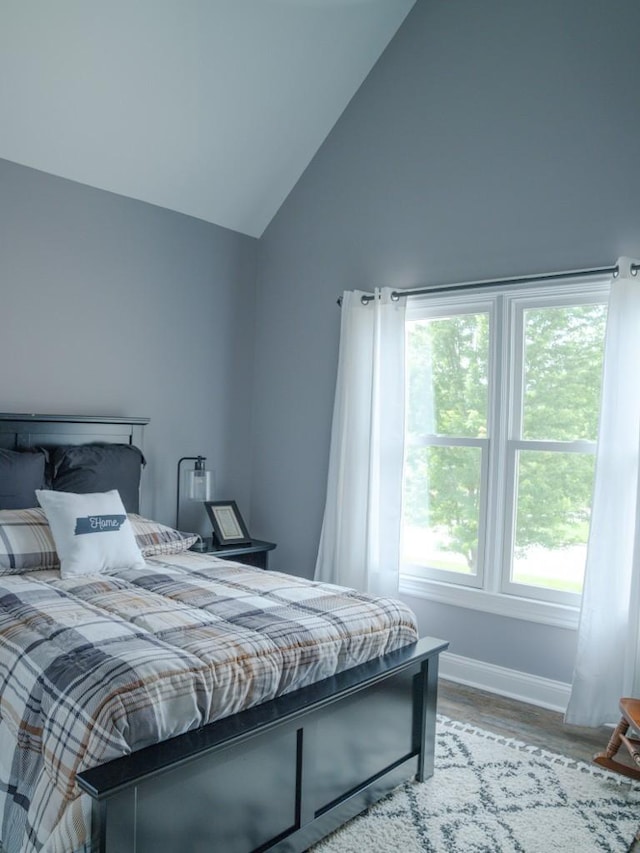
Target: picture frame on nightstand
x=227 y=523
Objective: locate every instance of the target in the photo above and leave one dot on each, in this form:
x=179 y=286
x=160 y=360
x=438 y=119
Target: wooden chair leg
x=607 y=758
x=615 y=740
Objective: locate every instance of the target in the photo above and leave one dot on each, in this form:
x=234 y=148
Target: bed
x=242 y=755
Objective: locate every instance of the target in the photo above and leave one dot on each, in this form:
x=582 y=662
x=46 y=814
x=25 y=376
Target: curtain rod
x=524 y=279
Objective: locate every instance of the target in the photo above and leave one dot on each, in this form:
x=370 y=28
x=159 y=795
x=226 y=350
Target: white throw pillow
x=92 y=532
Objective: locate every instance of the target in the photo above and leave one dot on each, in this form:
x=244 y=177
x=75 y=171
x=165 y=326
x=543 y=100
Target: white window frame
x=491 y=589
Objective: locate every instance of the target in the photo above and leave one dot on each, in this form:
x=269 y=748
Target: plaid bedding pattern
x=26 y=542
x=97 y=666
x=155 y=539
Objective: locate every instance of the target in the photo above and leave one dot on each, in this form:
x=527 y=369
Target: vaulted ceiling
x=212 y=108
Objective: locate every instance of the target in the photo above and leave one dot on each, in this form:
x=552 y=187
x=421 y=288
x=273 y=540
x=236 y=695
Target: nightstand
x=256 y=553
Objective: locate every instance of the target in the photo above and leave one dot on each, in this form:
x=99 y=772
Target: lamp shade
x=198 y=485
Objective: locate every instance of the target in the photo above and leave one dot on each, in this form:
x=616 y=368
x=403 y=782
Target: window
x=502 y=397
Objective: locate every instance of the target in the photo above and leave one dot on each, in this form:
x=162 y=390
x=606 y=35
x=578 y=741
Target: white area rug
x=496 y=795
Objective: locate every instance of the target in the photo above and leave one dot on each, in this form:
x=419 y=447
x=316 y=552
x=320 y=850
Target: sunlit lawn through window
x=552 y=568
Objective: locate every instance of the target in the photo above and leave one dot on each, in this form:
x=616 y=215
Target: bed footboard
x=278 y=777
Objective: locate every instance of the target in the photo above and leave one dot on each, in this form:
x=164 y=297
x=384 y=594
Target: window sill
x=514 y=607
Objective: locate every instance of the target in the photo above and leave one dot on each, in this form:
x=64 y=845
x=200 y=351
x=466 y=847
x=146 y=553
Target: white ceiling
x=209 y=107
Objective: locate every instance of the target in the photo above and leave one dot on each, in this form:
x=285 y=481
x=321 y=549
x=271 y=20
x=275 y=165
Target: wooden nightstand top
x=254 y=553
x=256 y=546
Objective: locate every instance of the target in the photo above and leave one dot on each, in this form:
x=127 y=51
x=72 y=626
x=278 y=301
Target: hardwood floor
x=527 y=723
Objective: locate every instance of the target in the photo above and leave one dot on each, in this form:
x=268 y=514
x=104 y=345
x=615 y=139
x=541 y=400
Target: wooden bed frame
x=277 y=777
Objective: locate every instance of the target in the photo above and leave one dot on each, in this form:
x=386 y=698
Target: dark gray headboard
x=18 y=432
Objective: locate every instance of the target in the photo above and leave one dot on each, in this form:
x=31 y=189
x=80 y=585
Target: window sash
x=470 y=580
x=507 y=585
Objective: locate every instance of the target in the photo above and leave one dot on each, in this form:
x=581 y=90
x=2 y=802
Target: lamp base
x=200 y=545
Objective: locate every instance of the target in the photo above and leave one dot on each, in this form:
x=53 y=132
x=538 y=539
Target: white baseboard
x=505 y=682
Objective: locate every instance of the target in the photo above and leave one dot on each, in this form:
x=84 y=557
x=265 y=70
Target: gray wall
x=491 y=139
x=112 y=306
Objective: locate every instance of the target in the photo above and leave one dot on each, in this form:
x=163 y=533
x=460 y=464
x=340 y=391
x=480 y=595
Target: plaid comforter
x=98 y=666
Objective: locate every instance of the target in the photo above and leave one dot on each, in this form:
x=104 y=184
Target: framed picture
x=228 y=525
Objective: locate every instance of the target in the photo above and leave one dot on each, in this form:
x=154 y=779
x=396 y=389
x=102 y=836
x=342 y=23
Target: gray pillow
x=21 y=473
x=84 y=468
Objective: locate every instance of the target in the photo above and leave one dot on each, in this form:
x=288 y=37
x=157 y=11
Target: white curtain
x=607 y=657
x=360 y=541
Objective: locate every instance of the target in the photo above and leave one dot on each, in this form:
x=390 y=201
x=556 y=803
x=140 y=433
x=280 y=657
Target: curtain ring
x=395 y=296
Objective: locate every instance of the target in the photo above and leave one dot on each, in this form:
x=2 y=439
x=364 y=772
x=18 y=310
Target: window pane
x=447 y=368
x=552 y=520
x=562 y=372
x=442 y=507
